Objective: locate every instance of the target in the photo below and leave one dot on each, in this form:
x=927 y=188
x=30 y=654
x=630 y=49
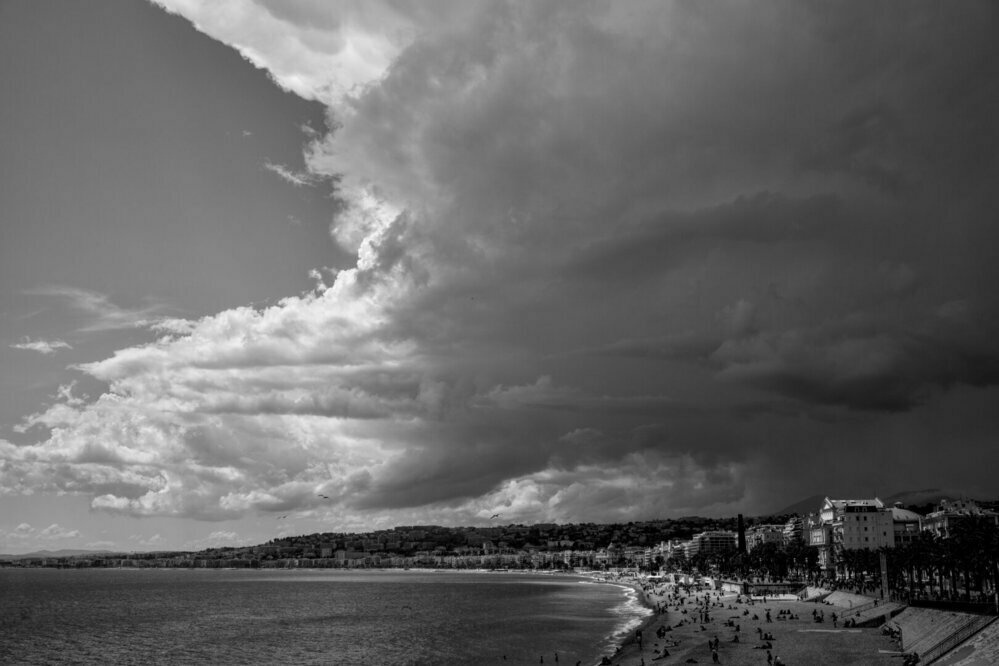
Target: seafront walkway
x=924 y=629
x=980 y=650
x=848 y=600
x=798 y=639
x=874 y=616
x=861 y=610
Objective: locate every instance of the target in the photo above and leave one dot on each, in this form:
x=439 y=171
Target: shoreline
x=628 y=641
x=631 y=640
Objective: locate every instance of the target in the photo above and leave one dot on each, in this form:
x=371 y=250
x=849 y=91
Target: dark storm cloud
x=613 y=259
x=869 y=364
x=658 y=245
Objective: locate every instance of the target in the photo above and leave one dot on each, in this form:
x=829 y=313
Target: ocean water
x=171 y=616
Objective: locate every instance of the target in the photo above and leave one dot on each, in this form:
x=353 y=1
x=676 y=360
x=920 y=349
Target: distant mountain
x=54 y=553
x=922 y=497
x=805 y=506
x=917 y=498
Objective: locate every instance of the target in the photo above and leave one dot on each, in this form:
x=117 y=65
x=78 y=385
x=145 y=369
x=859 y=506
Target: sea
x=295 y=616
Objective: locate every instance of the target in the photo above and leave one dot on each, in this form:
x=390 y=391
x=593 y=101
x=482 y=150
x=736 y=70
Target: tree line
x=963 y=565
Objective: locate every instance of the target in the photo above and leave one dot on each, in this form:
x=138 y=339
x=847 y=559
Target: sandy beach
x=680 y=633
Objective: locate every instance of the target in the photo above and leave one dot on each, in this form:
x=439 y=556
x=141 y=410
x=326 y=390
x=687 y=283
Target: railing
x=977 y=608
x=955 y=639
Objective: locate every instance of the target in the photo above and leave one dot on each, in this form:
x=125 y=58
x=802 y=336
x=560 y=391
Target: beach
x=678 y=632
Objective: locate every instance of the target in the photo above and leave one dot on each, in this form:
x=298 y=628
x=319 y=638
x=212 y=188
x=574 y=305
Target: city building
x=710 y=542
x=863 y=524
x=905 y=524
x=855 y=524
x=949 y=513
x=794 y=530
x=757 y=535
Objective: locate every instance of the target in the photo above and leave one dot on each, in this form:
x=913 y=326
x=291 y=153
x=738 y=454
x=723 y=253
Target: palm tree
x=978 y=537
x=896 y=562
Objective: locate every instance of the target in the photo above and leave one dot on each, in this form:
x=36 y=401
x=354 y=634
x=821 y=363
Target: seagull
x=284 y=516
x=323 y=496
x=495 y=515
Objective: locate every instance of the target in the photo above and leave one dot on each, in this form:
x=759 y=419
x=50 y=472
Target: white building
x=794 y=530
x=711 y=542
x=863 y=524
x=905 y=524
x=854 y=524
x=757 y=535
x=950 y=512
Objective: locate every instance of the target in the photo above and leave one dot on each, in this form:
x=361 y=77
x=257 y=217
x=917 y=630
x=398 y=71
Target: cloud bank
x=614 y=261
x=25 y=536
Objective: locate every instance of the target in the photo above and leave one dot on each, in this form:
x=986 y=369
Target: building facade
x=855 y=524
x=950 y=513
x=757 y=535
x=794 y=530
x=711 y=542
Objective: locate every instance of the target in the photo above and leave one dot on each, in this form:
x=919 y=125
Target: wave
x=631 y=612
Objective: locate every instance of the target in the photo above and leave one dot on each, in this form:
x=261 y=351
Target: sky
x=273 y=268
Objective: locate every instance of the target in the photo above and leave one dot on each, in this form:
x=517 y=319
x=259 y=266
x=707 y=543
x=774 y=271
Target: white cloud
x=25 y=538
x=42 y=346
x=101 y=545
x=217 y=539
x=23 y=530
x=56 y=531
x=102 y=314
x=318 y=50
x=296 y=178
x=153 y=541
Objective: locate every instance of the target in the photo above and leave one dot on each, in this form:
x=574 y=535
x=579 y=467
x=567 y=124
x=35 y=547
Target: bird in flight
x=284 y=516
x=323 y=496
x=495 y=515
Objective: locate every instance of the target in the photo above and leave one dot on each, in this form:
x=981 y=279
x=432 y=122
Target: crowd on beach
x=693 y=623
x=697 y=605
